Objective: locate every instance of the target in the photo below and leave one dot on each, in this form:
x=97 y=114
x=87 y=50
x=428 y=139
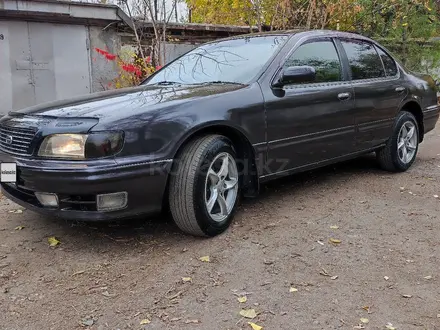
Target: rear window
x=364 y=61
x=388 y=63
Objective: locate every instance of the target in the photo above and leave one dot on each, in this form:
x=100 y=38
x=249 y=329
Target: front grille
x=16 y=140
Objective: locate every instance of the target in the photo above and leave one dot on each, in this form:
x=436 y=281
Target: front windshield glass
x=235 y=61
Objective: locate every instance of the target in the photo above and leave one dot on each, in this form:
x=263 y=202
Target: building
x=48 y=47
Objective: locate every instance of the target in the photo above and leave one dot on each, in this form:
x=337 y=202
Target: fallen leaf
x=19 y=211
x=292 y=289
x=386 y=278
x=366 y=308
x=334 y=277
x=323 y=272
x=145 y=321
x=255 y=326
x=109 y=295
x=78 y=272
x=19 y=227
x=248 y=313
x=192 y=321
x=53 y=241
x=335 y=241
x=334 y=227
x=407 y=296
x=186 y=279
x=86 y=322
x=364 y=320
x=389 y=326
x=204 y=259
x=242 y=299
x=428 y=277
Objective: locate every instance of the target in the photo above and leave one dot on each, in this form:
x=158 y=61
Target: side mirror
x=296 y=75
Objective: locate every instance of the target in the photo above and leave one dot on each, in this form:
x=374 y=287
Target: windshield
x=234 y=61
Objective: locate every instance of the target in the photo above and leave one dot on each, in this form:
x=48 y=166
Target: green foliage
x=404 y=26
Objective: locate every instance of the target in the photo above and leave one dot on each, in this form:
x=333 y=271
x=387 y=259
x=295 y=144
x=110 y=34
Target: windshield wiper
x=167 y=83
x=223 y=82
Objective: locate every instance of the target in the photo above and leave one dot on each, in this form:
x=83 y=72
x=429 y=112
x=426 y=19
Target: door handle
x=344 y=96
x=400 y=89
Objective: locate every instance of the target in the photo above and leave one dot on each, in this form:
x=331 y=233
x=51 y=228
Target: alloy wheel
x=221 y=187
x=407 y=142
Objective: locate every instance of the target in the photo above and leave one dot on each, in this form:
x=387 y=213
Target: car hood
x=122 y=103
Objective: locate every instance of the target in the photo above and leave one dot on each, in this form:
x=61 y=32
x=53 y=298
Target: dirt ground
x=117 y=276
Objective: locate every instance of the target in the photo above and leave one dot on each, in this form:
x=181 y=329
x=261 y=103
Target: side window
x=388 y=63
x=364 y=61
x=322 y=56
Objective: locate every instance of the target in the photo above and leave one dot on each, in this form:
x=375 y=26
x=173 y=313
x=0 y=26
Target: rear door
x=313 y=122
x=378 y=91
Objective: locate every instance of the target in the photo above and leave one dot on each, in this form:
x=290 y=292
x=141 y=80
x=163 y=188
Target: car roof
x=302 y=32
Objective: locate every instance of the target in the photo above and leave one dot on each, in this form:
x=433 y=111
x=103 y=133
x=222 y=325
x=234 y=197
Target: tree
x=403 y=25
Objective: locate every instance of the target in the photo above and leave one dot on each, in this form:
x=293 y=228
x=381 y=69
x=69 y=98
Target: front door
x=310 y=123
x=378 y=91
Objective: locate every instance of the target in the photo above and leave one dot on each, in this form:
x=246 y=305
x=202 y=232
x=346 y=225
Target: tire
x=189 y=196
x=391 y=157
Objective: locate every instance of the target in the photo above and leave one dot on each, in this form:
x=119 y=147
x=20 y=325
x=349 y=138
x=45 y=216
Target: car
x=216 y=123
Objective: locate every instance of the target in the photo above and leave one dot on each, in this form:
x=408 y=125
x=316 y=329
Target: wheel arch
x=241 y=143
x=415 y=108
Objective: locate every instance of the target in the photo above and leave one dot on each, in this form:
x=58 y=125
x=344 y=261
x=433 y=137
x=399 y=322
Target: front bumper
x=78 y=183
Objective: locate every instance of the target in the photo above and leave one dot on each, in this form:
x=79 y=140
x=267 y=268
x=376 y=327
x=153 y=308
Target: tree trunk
x=138 y=40
x=311 y=13
x=156 y=10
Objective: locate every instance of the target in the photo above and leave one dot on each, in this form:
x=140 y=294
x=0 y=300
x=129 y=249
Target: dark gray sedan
x=215 y=124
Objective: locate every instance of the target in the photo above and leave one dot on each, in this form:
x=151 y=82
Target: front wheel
x=204 y=186
x=401 y=148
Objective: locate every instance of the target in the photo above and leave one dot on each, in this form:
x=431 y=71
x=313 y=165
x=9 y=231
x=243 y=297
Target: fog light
x=112 y=202
x=47 y=199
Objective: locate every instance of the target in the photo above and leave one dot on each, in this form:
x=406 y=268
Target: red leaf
x=148 y=59
x=109 y=56
x=158 y=67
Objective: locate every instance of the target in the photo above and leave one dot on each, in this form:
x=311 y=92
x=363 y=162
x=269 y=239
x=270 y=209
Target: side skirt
x=272 y=176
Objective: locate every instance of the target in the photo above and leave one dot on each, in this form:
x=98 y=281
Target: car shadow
x=162 y=228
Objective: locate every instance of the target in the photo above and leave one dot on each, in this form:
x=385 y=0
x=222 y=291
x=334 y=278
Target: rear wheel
x=204 y=186
x=401 y=149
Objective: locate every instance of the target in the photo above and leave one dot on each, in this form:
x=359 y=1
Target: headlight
x=64 y=146
x=81 y=146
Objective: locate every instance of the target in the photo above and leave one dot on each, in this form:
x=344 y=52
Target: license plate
x=8 y=172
